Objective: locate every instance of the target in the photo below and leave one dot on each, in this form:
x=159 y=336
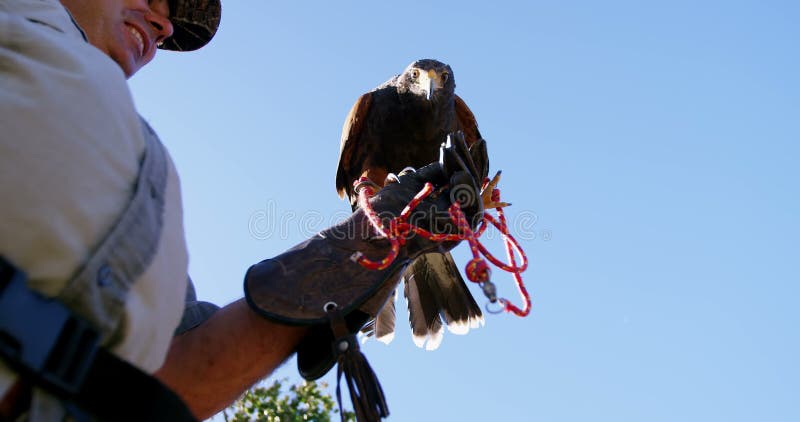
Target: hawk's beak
x=431 y=87
x=429 y=81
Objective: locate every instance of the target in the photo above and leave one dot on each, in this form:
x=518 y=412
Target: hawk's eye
x=445 y=76
x=415 y=74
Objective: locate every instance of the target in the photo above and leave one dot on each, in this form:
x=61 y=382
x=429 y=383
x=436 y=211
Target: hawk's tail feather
x=384 y=322
x=382 y=326
x=423 y=313
x=438 y=295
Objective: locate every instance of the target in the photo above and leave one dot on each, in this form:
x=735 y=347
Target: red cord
x=477 y=269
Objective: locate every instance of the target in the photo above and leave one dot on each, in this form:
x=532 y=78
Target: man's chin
x=128 y=63
x=135 y=66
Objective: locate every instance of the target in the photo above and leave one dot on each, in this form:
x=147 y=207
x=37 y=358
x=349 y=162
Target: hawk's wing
x=351 y=153
x=467 y=121
x=468 y=125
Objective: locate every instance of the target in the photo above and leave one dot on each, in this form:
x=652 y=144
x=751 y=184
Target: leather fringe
x=366 y=393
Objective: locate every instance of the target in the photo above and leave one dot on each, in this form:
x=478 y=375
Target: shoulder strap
x=98 y=290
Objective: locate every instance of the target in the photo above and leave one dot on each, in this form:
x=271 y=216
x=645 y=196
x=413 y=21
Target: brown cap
x=194 y=21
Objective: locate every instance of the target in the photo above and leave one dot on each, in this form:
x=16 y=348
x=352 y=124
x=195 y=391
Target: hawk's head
x=428 y=78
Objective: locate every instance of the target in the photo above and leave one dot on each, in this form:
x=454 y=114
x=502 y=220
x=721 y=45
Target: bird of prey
x=400 y=124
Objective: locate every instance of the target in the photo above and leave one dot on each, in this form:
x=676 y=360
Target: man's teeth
x=138 y=38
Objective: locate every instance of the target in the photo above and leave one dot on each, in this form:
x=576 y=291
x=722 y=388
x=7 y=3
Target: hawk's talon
x=488 y=190
x=407 y=170
x=362 y=183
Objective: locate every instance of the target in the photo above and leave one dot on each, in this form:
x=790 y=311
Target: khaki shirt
x=70 y=145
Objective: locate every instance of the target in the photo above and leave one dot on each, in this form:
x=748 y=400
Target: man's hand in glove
x=455 y=178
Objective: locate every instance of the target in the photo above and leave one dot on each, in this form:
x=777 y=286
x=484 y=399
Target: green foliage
x=304 y=402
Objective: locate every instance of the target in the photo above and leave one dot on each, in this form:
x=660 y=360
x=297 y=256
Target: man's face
x=126 y=30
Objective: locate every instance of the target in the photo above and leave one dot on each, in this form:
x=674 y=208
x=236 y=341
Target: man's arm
x=213 y=364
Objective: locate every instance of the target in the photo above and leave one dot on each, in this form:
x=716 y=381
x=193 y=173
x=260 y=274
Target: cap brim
x=194 y=23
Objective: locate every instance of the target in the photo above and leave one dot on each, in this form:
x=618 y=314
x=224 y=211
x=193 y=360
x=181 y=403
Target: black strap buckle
x=40 y=337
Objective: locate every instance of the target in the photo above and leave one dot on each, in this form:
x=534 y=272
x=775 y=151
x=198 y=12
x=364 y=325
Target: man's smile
x=139 y=38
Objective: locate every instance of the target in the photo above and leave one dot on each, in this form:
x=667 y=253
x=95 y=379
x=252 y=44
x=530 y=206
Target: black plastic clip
x=40 y=337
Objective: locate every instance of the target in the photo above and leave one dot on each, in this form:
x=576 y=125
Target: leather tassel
x=366 y=393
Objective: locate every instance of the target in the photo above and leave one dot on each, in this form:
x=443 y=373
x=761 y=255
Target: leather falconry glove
x=319 y=283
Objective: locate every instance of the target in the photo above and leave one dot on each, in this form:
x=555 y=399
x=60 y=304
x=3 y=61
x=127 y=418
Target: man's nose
x=161 y=24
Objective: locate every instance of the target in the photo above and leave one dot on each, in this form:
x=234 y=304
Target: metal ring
x=330 y=307
x=495 y=311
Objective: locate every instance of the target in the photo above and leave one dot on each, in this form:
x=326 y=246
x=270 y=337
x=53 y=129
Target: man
x=70 y=157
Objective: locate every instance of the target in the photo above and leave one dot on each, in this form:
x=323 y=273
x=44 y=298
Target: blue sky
x=650 y=150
